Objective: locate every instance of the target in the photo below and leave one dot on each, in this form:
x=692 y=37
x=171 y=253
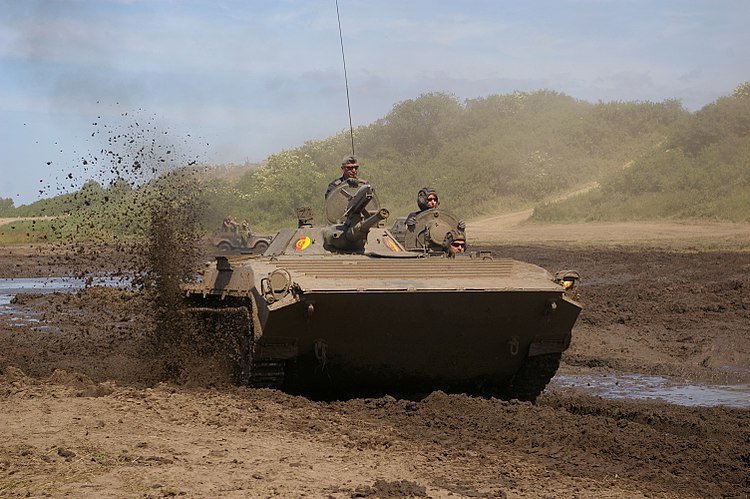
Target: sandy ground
x=85 y=410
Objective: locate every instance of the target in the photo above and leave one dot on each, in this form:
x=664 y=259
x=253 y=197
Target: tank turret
x=355 y=226
x=352 y=234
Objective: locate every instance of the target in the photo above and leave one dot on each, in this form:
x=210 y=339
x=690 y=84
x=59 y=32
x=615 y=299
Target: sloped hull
x=353 y=322
x=432 y=323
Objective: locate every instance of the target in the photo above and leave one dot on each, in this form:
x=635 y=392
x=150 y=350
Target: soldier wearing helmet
x=427 y=199
x=349 y=170
x=455 y=242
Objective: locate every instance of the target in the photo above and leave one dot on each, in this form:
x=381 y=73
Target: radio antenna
x=346 y=80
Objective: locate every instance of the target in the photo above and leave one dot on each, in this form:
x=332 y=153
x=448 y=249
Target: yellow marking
x=302 y=243
x=391 y=245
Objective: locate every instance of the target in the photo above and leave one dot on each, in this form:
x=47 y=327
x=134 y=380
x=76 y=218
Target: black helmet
x=349 y=160
x=422 y=195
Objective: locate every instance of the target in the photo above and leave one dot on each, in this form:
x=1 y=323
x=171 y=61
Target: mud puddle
x=646 y=387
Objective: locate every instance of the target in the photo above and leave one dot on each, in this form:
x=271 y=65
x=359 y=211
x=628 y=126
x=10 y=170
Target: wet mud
x=88 y=406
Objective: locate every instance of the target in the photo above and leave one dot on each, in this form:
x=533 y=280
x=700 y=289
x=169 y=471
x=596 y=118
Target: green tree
x=742 y=91
x=287 y=181
x=6 y=205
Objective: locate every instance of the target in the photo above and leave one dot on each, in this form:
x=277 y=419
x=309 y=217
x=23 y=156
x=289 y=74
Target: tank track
x=233 y=321
x=530 y=381
x=267 y=373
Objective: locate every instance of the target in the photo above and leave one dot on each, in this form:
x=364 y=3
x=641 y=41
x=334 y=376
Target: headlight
x=568 y=279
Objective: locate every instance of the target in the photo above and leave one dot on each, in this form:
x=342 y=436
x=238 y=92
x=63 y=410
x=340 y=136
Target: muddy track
x=86 y=409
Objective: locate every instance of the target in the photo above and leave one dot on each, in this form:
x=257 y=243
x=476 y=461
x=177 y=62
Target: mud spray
x=196 y=350
x=170 y=256
x=137 y=209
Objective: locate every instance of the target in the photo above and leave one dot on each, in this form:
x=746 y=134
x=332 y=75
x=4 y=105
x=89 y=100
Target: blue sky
x=222 y=81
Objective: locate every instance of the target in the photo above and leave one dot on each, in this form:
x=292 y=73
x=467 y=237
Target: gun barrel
x=360 y=230
x=357 y=204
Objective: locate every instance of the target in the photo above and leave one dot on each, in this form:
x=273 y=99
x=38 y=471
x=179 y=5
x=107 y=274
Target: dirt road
x=84 y=411
x=516 y=229
x=5 y=221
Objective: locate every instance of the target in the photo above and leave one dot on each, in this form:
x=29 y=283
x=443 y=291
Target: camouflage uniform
x=244 y=232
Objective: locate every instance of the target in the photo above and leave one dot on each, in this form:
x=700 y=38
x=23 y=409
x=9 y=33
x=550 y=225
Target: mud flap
x=547 y=344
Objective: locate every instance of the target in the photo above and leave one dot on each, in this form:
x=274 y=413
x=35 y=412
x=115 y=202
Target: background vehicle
x=227 y=240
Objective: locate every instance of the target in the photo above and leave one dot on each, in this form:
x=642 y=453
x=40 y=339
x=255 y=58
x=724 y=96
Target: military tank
x=344 y=309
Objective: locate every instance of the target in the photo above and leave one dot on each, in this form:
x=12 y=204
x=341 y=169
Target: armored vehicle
x=345 y=309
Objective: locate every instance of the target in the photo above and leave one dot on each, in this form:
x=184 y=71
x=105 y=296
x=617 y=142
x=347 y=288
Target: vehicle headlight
x=568 y=279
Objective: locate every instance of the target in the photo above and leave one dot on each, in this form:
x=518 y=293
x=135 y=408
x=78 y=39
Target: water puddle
x=19 y=316
x=643 y=387
x=10 y=287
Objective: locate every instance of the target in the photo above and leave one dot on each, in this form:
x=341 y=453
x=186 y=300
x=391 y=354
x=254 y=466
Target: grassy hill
x=486 y=155
x=701 y=171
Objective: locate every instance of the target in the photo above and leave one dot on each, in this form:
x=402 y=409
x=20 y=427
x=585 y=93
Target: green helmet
x=453 y=235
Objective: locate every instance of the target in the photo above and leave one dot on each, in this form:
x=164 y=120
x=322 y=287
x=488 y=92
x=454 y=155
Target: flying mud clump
x=99 y=202
x=137 y=210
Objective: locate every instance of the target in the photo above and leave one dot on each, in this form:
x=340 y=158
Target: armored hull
x=346 y=308
x=351 y=322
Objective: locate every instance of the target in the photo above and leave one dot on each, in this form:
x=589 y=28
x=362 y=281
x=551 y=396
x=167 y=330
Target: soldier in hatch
x=349 y=169
x=427 y=199
x=455 y=242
